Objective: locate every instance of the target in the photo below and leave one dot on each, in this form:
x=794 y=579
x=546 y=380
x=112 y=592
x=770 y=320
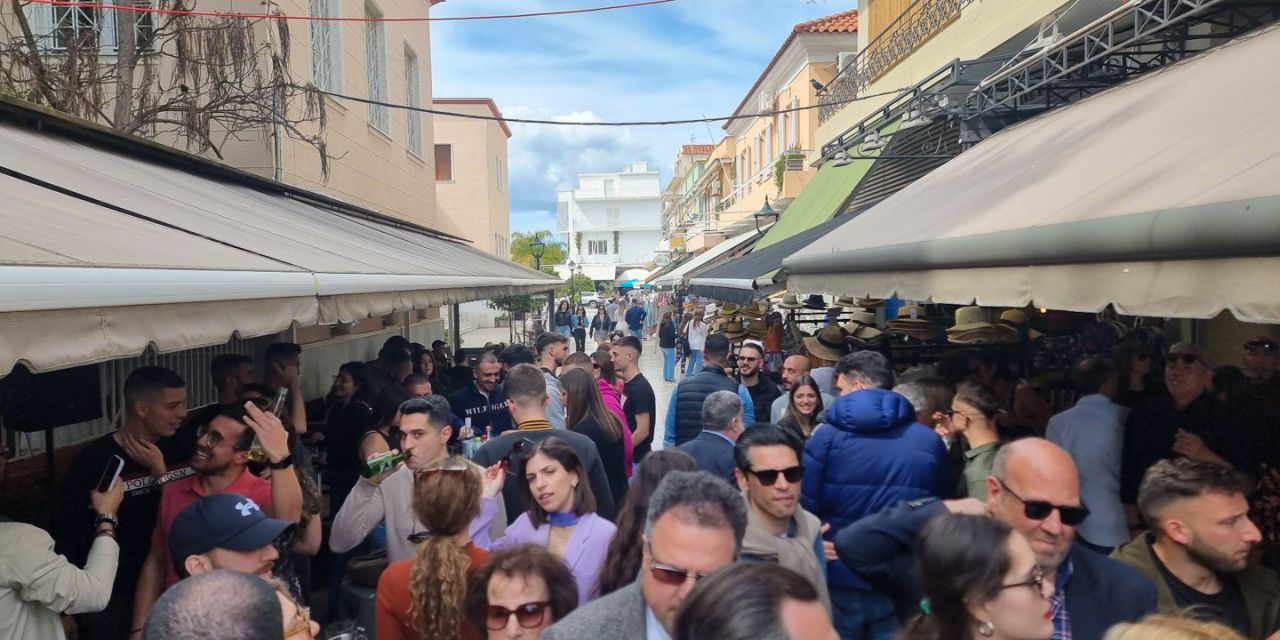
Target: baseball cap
x=222 y=521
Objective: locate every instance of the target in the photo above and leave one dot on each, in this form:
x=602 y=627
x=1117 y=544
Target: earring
x=986 y=629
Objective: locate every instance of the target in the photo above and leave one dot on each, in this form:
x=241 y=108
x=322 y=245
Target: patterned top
x=1061 y=617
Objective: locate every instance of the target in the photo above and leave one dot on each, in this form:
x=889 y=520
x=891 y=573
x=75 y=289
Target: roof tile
x=697 y=149
x=843 y=22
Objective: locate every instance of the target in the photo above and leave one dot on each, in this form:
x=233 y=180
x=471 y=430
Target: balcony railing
x=920 y=21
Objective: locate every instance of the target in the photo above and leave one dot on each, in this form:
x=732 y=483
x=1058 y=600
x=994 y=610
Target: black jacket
x=1101 y=592
x=690 y=395
x=1151 y=429
x=713 y=454
x=496 y=449
x=667 y=335
x=612 y=455
x=763 y=393
x=484 y=412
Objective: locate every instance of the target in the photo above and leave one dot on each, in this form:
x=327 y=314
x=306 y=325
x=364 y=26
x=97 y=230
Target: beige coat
x=37 y=585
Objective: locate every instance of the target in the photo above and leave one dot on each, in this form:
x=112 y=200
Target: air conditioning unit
x=844 y=59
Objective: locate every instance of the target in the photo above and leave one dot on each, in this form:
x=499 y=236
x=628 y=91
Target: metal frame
x=925 y=95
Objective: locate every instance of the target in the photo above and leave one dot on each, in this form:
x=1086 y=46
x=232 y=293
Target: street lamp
x=765 y=212
x=573 y=286
x=538 y=249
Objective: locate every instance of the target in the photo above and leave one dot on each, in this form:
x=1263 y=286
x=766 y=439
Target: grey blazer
x=617 y=616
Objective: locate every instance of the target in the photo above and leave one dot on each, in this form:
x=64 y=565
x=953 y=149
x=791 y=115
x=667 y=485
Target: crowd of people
x=524 y=491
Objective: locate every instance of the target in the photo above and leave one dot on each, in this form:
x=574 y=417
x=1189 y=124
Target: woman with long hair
x=600 y=325
x=624 y=555
x=519 y=592
x=563 y=318
x=667 y=334
x=560 y=513
x=804 y=403
x=611 y=392
x=580 y=328
x=695 y=331
x=980 y=579
x=423 y=597
x=424 y=362
x=1135 y=374
x=354 y=390
x=385 y=434
x=587 y=415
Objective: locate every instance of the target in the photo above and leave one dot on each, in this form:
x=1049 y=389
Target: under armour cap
x=222 y=521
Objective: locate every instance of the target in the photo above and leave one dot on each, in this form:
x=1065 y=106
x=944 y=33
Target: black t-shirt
x=638 y=398
x=72 y=524
x=1226 y=606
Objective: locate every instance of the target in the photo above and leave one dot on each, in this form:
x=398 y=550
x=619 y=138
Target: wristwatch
x=284 y=463
x=110 y=518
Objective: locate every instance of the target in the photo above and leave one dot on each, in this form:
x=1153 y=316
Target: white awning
x=103 y=253
x=676 y=276
x=1160 y=196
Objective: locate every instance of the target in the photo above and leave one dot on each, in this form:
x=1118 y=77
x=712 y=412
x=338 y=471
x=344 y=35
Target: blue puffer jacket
x=870 y=455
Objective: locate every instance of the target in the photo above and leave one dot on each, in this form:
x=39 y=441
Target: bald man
x=1034 y=488
x=792 y=368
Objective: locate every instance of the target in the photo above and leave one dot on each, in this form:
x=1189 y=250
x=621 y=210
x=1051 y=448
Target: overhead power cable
x=282 y=16
x=634 y=123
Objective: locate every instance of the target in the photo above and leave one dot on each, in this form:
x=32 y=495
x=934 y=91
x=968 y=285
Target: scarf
x=795 y=552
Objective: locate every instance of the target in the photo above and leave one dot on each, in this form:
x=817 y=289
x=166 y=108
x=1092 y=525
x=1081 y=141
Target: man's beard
x=1213 y=559
x=207 y=466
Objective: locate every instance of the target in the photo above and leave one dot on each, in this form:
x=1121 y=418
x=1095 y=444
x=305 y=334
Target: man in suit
x=1034 y=488
x=695 y=525
x=722 y=423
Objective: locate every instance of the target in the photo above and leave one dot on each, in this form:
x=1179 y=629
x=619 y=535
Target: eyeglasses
x=748 y=359
x=1035 y=582
x=670 y=575
x=769 y=477
x=1039 y=509
x=214 y=438
x=1184 y=358
x=528 y=615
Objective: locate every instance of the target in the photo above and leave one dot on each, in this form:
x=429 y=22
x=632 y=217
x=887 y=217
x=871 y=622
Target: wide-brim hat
x=757 y=327
x=845 y=301
x=815 y=301
x=862 y=331
x=870 y=303
x=905 y=314
x=1013 y=320
x=733 y=329
x=828 y=344
x=728 y=309
x=862 y=316
x=969 y=319
x=983 y=335
x=789 y=301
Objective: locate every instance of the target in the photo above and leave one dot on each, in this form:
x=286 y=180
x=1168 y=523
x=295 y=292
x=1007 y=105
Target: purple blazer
x=584 y=555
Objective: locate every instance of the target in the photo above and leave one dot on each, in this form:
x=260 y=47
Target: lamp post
x=765 y=212
x=573 y=288
x=538 y=249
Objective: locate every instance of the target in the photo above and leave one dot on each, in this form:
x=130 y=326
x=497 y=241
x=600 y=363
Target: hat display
x=846 y=302
x=734 y=331
x=870 y=303
x=789 y=301
x=912 y=323
x=976 y=336
x=221 y=521
x=756 y=328
x=728 y=310
x=1013 y=321
x=828 y=344
x=969 y=319
x=815 y=301
x=862 y=316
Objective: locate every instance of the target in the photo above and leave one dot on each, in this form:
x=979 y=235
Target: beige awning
x=1160 y=196
x=103 y=252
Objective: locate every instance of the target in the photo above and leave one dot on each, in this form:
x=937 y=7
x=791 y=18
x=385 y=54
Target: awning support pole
x=455 y=329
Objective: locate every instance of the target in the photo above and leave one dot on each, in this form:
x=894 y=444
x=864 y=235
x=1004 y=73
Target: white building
x=611 y=222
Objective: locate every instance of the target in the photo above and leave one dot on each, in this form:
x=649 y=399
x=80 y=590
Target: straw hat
x=870 y=303
x=970 y=318
x=728 y=309
x=1012 y=322
x=911 y=314
x=815 y=301
x=789 y=301
x=862 y=331
x=756 y=328
x=862 y=316
x=986 y=335
x=846 y=302
x=734 y=331
x=756 y=310
x=829 y=344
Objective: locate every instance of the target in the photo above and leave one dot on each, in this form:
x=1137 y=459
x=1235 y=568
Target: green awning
x=822 y=197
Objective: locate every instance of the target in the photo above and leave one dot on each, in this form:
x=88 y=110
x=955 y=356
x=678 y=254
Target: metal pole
x=456 y=330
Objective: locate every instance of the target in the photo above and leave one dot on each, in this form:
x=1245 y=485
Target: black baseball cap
x=222 y=521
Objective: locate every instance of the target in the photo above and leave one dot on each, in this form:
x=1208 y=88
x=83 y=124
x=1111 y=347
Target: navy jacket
x=1101 y=592
x=691 y=392
x=869 y=455
x=714 y=454
x=484 y=412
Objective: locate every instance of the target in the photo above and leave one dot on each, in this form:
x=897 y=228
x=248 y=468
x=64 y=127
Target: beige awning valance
x=1160 y=196
x=104 y=252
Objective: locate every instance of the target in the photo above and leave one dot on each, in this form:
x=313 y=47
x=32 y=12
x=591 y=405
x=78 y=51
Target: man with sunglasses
x=1261 y=363
x=1035 y=489
x=1189 y=422
x=695 y=525
x=751 y=376
x=778 y=530
x=221 y=466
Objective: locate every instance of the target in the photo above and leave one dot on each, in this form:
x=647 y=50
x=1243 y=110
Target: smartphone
x=110 y=475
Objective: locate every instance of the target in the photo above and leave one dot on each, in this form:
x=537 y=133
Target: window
x=326 y=46
x=780 y=131
x=63 y=27
x=375 y=54
x=497 y=172
x=795 y=123
x=614 y=216
x=413 y=95
x=444 y=163
x=608 y=188
x=768 y=144
x=597 y=247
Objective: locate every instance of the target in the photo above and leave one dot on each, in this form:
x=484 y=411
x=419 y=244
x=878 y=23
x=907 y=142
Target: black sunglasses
x=528 y=615
x=768 y=477
x=522 y=449
x=1039 y=509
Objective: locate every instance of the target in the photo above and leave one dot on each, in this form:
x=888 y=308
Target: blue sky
x=685 y=59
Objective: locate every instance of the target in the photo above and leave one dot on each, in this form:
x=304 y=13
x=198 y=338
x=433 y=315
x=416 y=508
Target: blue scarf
x=563 y=518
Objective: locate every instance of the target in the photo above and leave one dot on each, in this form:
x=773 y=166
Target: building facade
x=470 y=159
x=681 y=205
x=611 y=222
x=770 y=156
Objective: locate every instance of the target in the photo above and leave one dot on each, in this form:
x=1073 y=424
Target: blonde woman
x=1164 y=626
x=424 y=597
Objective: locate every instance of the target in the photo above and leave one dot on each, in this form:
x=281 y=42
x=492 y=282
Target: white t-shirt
x=697 y=334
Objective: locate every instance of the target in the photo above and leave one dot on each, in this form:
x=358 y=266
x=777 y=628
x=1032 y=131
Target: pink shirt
x=613 y=402
x=180 y=493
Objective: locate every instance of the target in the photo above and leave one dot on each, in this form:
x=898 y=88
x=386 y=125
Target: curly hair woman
x=424 y=597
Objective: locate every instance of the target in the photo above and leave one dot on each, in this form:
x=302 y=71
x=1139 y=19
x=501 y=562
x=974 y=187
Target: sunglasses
x=1035 y=582
x=528 y=615
x=769 y=477
x=1039 y=509
x=523 y=448
x=670 y=575
x=1184 y=358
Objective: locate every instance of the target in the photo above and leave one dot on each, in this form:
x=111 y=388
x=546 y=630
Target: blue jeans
x=695 y=362
x=863 y=615
x=563 y=330
x=638 y=334
x=669 y=364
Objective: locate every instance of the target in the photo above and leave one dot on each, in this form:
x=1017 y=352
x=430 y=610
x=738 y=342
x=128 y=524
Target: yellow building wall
x=471 y=205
